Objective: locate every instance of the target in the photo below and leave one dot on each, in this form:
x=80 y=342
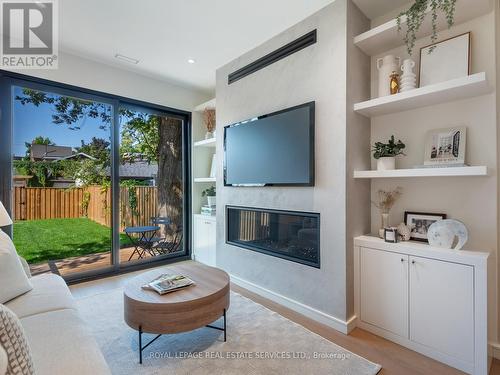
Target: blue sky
x=31 y=121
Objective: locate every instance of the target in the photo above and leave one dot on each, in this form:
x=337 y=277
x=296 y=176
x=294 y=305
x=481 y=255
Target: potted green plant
x=385 y=153
x=210 y=194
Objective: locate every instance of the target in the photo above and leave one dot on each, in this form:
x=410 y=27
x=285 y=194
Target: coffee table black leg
x=141 y=348
x=219 y=328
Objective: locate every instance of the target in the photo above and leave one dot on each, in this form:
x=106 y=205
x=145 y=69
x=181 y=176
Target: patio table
x=144 y=242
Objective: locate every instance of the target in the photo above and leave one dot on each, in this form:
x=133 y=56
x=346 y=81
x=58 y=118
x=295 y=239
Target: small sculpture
x=408 y=79
x=394 y=83
x=404 y=232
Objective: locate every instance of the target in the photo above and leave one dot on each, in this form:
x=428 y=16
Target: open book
x=167 y=283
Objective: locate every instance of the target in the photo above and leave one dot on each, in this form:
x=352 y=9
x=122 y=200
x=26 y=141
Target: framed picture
x=419 y=223
x=449 y=59
x=445 y=146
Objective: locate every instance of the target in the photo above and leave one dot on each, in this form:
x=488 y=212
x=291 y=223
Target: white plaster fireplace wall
x=316 y=73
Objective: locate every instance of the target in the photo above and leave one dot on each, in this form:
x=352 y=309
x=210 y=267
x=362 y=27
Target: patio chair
x=168 y=247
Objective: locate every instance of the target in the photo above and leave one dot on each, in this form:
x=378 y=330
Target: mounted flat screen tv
x=273 y=149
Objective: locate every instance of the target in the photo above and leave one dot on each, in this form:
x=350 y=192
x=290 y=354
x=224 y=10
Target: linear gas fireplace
x=289 y=235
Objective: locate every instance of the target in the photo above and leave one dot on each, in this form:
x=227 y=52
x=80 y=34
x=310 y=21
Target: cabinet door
x=442 y=306
x=384 y=290
x=204 y=241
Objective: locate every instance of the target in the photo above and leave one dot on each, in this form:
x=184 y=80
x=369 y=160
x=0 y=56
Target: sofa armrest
x=4 y=361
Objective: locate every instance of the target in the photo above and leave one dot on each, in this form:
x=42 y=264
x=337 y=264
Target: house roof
x=138 y=169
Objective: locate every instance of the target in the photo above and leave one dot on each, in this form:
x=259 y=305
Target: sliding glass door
x=94 y=183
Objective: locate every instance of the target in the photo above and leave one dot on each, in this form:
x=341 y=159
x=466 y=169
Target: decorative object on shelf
x=408 y=80
x=386 y=66
x=445 y=147
x=210 y=194
x=419 y=223
x=209 y=121
x=416 y=14
x=449 y=234
x=450 y=60
x=386 y=200
x=404 y=232
x=391 y=235
x=385 y=153
x=394 y=82
x=213 y=167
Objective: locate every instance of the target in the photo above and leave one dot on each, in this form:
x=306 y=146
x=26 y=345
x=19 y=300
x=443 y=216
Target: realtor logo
x=29 y=34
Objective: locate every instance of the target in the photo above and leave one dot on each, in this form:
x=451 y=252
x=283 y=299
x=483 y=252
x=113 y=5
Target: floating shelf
x=386 y=36
x=206 y=143
x=204 y=179
x=207 y=105
x=455 y=89
x=425 y=172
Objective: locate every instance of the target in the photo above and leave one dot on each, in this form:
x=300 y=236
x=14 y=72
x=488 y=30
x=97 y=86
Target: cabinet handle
x=413 y=261
x=402 y=260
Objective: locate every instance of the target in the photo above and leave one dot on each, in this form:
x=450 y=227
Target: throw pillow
x=26 y=267
x=3 y=361
x=14 y=343
x=13 y=279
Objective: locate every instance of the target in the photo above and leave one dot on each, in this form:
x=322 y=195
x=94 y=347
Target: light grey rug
x=259 y=341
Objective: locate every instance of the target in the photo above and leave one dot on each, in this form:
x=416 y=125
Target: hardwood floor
x=394 y=359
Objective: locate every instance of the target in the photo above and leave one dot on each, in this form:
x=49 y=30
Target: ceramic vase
x=386 y=66
x=387 y=163
x=408 y=80
x=384 y=223
x=211 y=200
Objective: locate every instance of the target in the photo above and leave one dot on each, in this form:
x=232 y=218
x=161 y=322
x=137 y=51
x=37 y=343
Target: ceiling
x=164 y=34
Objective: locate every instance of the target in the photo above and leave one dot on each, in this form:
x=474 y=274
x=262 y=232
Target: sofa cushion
x=13 y=279
x=61 y=344
x=49 y=293
x=13 y=341
x=3 y=361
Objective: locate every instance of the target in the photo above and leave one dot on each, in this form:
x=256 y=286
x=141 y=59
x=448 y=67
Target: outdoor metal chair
x=167 y=246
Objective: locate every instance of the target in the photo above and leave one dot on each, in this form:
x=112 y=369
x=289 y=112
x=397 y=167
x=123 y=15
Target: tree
x=98 y=148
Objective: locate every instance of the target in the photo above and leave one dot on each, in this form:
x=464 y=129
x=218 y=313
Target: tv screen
x=274 y=149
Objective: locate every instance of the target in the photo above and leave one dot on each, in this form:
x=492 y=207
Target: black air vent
x=287 y=50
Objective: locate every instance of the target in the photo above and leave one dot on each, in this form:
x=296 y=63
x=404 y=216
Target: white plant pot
x=386 y=163
x=211 y=200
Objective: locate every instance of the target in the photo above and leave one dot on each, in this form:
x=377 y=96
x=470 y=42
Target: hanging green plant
x=416 y=14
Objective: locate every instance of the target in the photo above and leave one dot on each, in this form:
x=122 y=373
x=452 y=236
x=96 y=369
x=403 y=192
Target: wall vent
x=287 y=50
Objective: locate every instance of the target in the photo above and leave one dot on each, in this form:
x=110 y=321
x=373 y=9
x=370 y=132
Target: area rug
x=259 y=341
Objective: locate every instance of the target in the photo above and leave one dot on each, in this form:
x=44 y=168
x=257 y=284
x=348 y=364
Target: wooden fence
x=93 y=202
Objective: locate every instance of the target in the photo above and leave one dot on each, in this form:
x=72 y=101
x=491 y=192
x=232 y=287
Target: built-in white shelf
x=204 y=179
x=206 y=143
x=425 y=172
x=206 y=217
x=455 y=89
x=207 y=105
x=386 y=36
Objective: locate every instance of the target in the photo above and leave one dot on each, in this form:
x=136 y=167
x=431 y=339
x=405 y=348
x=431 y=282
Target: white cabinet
x=442 y=306
x=204 y=239
x=427 y=299
x=384 y=290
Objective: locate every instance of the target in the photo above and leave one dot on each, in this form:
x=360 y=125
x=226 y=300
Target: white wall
x=472 y=200
x=317 y=73
x=77 y=71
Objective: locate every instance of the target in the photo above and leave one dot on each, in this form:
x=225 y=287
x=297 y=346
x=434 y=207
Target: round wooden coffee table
x=184 y=310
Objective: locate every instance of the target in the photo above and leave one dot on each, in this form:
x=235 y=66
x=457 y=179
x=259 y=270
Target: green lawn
x=41 y=240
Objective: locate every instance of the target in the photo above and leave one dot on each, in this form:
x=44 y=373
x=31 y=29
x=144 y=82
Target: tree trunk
x=169 y=179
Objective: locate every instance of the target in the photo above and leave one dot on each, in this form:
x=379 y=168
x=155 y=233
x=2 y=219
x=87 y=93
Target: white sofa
x=59 y=340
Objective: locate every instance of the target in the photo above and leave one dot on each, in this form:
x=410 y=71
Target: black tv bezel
x=311 y=182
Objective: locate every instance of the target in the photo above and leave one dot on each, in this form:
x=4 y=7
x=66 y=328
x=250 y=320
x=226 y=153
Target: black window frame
x=9 y=79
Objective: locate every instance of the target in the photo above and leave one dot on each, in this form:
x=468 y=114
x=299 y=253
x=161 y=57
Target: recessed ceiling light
x=191 y=61
x=127 y=59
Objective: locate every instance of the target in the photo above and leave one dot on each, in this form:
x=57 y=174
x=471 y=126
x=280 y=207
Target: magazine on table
x=167 y=283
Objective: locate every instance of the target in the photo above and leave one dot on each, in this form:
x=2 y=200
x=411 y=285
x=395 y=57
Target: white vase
x=408 y=79
x=384 y=223
x=211 y=200
x=387 y=163
x=386 y=66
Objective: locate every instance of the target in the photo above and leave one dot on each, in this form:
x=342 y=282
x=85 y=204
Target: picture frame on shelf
x=213 y=166
x=445 y=60
x=419 y=223
x=445 y=147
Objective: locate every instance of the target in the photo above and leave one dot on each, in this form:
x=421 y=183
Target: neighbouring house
x=140 y=171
